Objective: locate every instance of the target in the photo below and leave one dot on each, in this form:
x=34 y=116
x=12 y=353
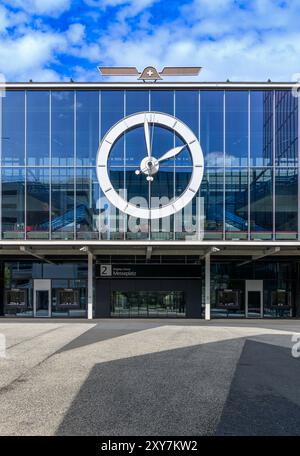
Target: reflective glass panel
x=112 y=108
x=62 y=201
x=187 y=108
x=212 y=192
x=13 y=203
x=162 y=187
x=13 y=128
x=162 y=101
x=286 y=128
x=136 y=185
x=286 y=192
x=261 y=200
x=62 y=105
x=236 y=128
x=182 y=178
x=87 y=204
x=148 y=304
x=261 y=128
x=136 y=101
x=236 y=203
x=87 y=127
x=135 y=146
x=38 y=203
x=212 y=127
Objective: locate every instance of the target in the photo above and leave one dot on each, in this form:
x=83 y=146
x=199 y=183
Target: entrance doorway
x=42 y=298
x=254 y=298
x=148 y=304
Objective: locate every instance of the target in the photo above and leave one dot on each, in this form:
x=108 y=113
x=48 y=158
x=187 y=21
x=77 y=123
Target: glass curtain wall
x=68 y=285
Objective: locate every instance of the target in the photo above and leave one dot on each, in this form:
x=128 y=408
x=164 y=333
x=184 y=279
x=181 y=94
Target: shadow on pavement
x=183 y=392
x=264 y=398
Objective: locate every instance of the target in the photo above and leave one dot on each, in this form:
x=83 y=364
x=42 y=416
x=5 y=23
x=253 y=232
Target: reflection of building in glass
x=268 y=97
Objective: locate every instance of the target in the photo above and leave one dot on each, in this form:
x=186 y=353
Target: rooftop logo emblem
x=150 y=73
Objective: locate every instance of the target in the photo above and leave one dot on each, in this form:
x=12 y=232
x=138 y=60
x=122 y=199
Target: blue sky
x=53 y=40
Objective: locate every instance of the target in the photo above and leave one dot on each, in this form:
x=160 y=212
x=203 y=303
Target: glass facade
x=49 y=191
x=68 y=287
x=147 y=304
x=228 y=288
x=50 y=138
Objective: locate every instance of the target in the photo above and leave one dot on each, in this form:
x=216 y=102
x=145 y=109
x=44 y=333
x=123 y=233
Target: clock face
x=162 y=153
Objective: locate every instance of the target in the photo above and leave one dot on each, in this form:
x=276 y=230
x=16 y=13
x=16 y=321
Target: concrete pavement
x=149 y=377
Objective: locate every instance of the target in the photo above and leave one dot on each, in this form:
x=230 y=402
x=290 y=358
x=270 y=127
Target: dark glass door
x=148 y=304
x=42 y=303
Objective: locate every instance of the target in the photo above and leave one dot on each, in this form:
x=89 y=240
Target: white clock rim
x=133 y=120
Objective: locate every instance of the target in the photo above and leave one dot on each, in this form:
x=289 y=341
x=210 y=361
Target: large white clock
x=149 y=166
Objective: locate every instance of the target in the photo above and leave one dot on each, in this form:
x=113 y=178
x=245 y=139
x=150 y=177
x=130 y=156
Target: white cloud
x=26 y=57
x=75 y=33
x=43 y=7
x=9 y=19
x=130 y=8
x=255 y=41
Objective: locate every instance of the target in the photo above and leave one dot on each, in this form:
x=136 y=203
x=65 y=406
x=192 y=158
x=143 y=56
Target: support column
x=90 y=286
x=207 y=286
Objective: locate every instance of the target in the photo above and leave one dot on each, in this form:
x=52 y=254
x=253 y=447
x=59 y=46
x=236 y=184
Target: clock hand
x=147 y=137
x=171 y=153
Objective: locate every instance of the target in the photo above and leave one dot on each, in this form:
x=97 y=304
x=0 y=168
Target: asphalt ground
x=149 y=377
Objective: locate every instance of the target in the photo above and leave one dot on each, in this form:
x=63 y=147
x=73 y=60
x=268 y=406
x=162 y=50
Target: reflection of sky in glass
x=163 y=183
x=227 y=137
x=162 y=140
x=182 y=179
x=136 y=185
